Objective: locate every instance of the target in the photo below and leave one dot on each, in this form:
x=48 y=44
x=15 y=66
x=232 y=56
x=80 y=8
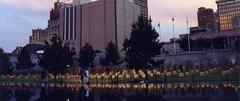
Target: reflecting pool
x=120 y=92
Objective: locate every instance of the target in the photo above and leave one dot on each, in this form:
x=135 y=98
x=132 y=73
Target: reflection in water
x=23 y=94
x=5 y=94
x=120 y=92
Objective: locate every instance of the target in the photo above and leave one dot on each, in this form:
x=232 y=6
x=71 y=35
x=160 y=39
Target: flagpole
x=189 y=45
x=159 y=26
x=160 y=36
x=174 y=45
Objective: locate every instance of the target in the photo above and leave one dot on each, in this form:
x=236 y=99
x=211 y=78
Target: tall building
x=95 y=22
x=40 y=35
x=229 y=14
x=37 y=36
x=143 y=6
x=206 y=18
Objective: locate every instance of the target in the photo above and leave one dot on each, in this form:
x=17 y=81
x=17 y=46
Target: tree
x=142 y=45
x=57 y=57
x=86 y=55
x=112 y=55
x=24 y=60
x=5 y=66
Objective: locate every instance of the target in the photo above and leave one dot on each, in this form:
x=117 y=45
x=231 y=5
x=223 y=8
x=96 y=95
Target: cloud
x=43 y=5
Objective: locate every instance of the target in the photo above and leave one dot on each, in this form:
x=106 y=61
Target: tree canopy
x=86 y=55
x=5 y=66
x=57 y=57
x=142 y=45
x=112 y=55
x=24 y=60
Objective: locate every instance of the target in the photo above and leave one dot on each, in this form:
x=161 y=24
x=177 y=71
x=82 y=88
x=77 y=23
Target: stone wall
x=219 y=57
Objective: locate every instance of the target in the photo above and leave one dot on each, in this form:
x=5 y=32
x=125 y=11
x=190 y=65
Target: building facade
x=39 y=36
x=95 y=22
x=143 y=6
x=229 y=14
x=211 y=35
x=168 y=48
x=206 y=18
x=219 y=57
x=225 y=39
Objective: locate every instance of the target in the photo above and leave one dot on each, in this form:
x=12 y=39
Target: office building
x=206 y=18
x=40 y=35
x=94 y=22
x=229 y=14
x=143 y=6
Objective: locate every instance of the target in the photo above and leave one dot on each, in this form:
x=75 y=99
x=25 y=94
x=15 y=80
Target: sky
x=19 y=17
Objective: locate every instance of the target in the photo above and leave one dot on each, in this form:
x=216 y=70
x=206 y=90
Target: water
x=120 y=92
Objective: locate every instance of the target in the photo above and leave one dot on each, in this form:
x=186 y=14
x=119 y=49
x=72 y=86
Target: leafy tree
x=143 y=44
x=4 y=63
x=86 y=55
x=112 y=55
x=57 y=57
x=24 y=60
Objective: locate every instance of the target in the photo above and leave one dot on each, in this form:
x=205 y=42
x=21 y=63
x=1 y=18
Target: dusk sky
x=19 y=17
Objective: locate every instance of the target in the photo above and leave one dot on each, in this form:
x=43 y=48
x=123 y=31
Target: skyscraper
x=143 y=6
x=206 y=18
x=229 y=14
